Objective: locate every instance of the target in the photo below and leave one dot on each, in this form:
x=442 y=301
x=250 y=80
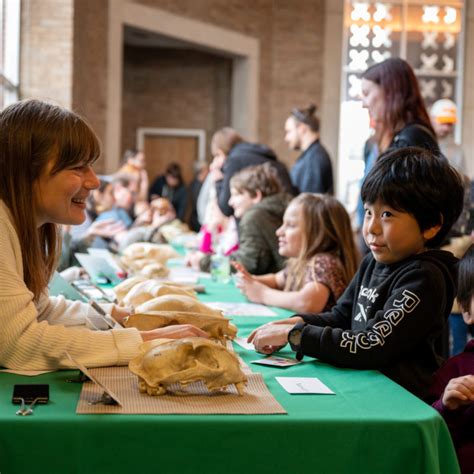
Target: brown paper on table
x=191 y=399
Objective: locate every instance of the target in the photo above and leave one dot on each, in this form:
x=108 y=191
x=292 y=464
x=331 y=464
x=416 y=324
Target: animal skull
x=217 y=327
x=164 y=362
x=181 y=303
x=149 y=289
x=157 y=252
x=122 y=289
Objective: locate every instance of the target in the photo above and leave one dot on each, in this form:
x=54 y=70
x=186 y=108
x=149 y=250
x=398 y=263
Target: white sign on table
x=242 y=309
x=296 y=385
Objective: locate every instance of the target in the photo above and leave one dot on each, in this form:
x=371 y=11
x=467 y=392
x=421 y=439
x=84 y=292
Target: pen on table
x=101 y=311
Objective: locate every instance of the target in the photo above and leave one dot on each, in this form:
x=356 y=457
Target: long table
x=371 y=425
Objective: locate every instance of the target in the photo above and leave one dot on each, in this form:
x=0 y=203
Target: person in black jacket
x=240 y=155
x=391 y=93
x=312 y=172
x=393 y=314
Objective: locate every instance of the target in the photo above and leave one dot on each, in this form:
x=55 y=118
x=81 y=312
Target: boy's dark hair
x=416 y=181
x=466 y=279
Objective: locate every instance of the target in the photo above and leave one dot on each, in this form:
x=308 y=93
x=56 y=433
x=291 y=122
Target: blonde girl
x=316 y=236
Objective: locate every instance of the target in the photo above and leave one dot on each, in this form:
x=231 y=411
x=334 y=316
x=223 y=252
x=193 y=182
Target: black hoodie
x=242 y=156
x=390 y=318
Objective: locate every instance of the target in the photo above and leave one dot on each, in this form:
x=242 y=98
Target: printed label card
x=297 y=385
x=276 y=361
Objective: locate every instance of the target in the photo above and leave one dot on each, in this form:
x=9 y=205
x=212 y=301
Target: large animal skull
x=149 y=289
x=181 y=303
x=164 y=362
x=122 y=289
x=148 y=259
x=156 y=252
x=217 y=327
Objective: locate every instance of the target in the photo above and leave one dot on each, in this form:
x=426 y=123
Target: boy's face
x=393 y=235
x=241 y=202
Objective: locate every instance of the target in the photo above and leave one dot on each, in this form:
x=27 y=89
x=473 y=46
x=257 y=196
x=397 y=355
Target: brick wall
x=296 y=65
x=290 y=37
x=47 y=50
x=89 y=93
x=173 y=88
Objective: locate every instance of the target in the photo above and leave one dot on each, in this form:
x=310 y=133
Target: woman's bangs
x=78 y=145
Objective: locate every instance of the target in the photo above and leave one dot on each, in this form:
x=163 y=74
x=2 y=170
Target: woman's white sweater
x=37 y=336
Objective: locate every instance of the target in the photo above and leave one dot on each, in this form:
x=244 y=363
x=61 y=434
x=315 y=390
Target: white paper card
x=242 y=342
x=303 y=385
x=276 y=361
x=97 y=267
x=95 y=380
x=106 y=255
x=59 y=286
x=183 y=275
x=242 y=309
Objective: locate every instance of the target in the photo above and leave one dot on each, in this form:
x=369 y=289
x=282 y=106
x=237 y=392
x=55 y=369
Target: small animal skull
x=164 y=362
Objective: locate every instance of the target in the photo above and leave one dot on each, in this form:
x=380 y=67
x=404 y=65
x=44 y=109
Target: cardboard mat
x=192 y=399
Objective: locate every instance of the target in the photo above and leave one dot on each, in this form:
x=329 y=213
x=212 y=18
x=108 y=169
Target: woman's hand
x=119 y=313
x=177 y=331
x=458 y=392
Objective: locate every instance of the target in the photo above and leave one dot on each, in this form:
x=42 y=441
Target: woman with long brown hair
x=391 y=93
x=46 y=175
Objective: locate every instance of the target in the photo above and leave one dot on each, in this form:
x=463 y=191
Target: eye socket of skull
x=206 y=356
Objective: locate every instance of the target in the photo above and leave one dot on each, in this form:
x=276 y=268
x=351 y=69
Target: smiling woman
x=61 y=196
x=46 y=157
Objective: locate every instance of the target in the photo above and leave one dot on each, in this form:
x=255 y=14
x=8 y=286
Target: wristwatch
x=294 y=338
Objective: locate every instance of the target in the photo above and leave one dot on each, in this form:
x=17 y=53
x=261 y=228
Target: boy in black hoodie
x=392 y=315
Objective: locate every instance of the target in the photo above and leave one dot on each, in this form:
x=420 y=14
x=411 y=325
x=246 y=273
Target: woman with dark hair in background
x=391 y=94
x=397 y=115
x=171 y=186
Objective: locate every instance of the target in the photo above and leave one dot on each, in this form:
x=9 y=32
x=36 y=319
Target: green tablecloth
x=371 y=425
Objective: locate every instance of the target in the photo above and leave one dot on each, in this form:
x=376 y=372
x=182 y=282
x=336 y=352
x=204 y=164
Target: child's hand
x=251 y=288
x=458 y=392
x=240 y=269
x=193 y=259
x=270 y=338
